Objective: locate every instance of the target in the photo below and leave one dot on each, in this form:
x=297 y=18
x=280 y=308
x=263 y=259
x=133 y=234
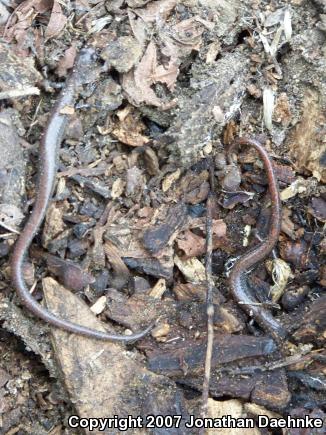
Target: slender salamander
x=237 y=278
x=50 y=143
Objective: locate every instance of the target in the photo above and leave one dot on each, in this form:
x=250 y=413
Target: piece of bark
x=161 y=267
x=12 y=161
x=121 y=271
x=101 y=377
x=140 y=309
x=313 y=326
x=305 y=141
x=71 y=275
x=196 y=292
x=227 y=348
x=29 y=330
x=155 y=239
x=191 y=132
x=267 y=389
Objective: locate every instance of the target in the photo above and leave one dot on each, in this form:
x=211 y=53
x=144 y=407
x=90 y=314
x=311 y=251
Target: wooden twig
x=209 y=298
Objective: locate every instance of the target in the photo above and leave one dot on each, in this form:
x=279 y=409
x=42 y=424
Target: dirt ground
x=169 y=86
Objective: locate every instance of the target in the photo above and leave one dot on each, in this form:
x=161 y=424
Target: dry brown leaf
x=57 y=21
x=67 y=61
x=144 y=72
x=137 y=27
x=129 y=128
x=156 y=10
x=137 y=84
x=23 y=17
x=167 y=75
x=191 y=244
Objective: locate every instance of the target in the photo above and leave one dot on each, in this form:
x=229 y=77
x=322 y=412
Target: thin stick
x=209 y=299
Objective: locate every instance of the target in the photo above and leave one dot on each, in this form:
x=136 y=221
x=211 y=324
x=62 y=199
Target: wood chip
x=192 y=269
x=99 y=306
x=158 y=289
x=98 y=374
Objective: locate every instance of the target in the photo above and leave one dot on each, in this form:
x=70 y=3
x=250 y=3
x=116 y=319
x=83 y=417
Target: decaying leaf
x=281 y=273
x=186 y=36
x=129 y=129
x=67 y=61
x=23 y=18
x=156 y=10
x=137 y=84
x=194 y=245
x=122 y=53
x=57 y=21
x=167 y=75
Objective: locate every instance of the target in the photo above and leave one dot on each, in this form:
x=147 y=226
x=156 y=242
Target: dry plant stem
x=50 y=144
x=237 y=279
x=209 y=302
x=304 y=356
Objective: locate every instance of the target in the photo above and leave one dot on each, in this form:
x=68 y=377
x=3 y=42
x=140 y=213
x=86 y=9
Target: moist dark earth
x=170 y=86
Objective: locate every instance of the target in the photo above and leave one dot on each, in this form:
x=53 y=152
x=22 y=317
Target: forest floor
x=169 y=87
